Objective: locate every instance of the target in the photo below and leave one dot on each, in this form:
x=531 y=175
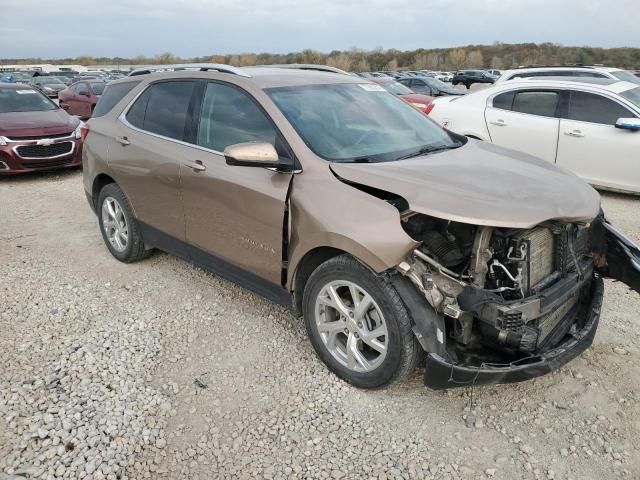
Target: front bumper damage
x=441 y=373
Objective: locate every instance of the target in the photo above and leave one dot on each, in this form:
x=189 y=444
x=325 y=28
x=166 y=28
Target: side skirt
x=154 y=238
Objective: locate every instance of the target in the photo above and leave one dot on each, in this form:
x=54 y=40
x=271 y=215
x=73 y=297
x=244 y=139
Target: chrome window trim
x=122 y=118
x=70 y=152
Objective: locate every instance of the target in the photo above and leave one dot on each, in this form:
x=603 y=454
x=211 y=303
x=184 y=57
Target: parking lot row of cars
x=608 y=97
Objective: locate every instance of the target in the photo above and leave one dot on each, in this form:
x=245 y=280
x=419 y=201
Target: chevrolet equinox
x=395 y=239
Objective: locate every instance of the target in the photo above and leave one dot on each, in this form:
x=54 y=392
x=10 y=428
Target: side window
x=167 y=108
x=135 y=115
x=589 y=107
x=504 y=101
x=81 y=88
x=542 y=103
x=229 y=116
x=111 y=96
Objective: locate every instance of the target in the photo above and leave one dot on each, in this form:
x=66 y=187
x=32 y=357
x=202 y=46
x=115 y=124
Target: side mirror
x=254 y=154
x=632 y=124
x=84 y=94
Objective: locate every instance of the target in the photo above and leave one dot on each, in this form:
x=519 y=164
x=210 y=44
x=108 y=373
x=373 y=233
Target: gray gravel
x=160 y=370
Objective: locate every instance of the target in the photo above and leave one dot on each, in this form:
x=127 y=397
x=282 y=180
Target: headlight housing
x=3 y=141
x=77 y=133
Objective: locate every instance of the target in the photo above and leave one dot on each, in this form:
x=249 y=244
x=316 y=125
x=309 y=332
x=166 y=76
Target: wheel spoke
x=371 y=338
x=330 y=297
x=355 y=358
x=363 y=306
x=331 y=330
x=111 y=209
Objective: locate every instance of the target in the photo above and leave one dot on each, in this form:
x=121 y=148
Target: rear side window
x=503 y=101
x=229 y=116
x=163 y=109
x=589 y=107
x=80 y=88
x=536 y=103
x=111 y=96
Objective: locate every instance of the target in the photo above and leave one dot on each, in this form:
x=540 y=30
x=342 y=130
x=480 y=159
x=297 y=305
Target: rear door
x=591 y=146
x=525 y=120
x=146 y=149
x=236 y=214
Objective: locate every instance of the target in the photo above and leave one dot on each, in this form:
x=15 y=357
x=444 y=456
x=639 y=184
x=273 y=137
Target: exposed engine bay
x=504 y=294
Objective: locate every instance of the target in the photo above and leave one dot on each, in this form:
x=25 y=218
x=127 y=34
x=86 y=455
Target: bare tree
x=457 y=58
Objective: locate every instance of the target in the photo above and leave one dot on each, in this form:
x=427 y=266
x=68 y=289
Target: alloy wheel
x=351 y=326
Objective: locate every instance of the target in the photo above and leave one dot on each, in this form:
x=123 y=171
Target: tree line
x=498 y=55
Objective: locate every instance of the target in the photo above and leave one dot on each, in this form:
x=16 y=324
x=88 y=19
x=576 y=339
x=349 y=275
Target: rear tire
x=120 y=230
x=358 y=325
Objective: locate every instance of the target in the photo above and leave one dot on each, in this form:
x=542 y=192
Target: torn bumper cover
x=441 y=374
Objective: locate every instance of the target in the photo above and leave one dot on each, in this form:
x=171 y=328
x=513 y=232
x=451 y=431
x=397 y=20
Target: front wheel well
x=311 y=260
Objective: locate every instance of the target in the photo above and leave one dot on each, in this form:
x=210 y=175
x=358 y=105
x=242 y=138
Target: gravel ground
x=160 y=370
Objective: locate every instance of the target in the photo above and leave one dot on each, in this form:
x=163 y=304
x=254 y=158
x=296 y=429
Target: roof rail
x=568 y=65
x=202 y=67
x=307 y=66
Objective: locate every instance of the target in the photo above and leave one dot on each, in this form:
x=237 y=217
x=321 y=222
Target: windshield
x=632 y=95
x=48 y=81
x=438 y=84
x=626 y=76
x=358 y=122
x=24 y=100
x=98 y=88
x=395 y=87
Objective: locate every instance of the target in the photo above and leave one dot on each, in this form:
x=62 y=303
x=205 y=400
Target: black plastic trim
x=154 y=238
x=440 y=373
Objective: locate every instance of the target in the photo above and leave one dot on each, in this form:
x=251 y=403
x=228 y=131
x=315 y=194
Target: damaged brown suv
x=393 y=238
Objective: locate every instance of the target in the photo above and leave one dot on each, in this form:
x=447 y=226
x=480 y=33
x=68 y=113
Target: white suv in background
x=589 y=126
x=582 y=72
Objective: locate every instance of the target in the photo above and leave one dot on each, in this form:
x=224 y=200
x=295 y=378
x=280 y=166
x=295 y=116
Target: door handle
x=196 y=166
x=123 y=140
x=498 y=123
x=574 y=133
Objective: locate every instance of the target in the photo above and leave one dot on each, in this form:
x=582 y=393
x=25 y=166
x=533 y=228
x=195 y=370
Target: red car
x=36 y=134
x=80 y=98
x=417 y=100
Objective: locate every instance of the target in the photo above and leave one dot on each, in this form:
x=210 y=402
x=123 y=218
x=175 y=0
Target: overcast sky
x=62 y=28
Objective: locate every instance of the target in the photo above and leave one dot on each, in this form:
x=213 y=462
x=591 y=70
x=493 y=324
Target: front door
x=525 y=120
x=590 y=146
x=235 y=215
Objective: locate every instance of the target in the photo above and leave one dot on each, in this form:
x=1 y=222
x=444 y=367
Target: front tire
x=358 y=325
x=120 y=230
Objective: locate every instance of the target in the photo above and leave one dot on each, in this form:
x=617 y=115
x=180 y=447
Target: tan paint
x=237 y=212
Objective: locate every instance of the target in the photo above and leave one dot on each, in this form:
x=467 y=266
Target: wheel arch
x=302 y=268
x=99 y=182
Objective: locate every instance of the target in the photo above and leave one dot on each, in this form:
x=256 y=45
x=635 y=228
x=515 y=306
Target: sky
x=126 y=28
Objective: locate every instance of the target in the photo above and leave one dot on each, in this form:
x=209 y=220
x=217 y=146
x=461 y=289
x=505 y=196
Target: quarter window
x=542 y=103
x=111 y=96
x=504 y=101
x=229 y=116
x=589 y=107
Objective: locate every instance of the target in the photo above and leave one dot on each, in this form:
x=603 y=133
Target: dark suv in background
x=469 y=77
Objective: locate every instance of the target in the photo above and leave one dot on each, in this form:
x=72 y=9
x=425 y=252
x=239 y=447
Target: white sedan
x=591 y=127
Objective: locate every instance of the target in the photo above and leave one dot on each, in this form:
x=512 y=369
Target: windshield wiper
x=430 y=149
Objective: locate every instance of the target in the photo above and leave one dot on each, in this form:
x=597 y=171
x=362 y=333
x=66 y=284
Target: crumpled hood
x=481 y=184
x=51 y=122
